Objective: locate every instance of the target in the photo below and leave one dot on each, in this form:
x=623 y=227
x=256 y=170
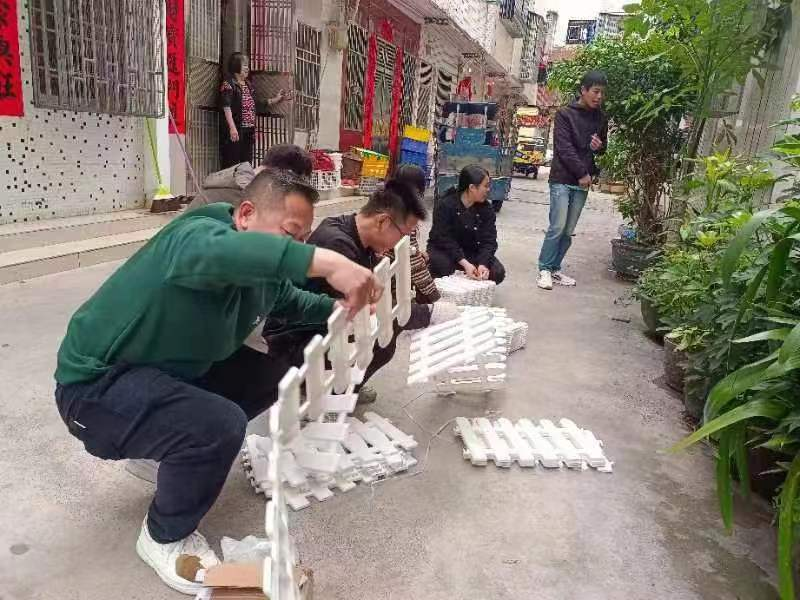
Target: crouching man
x=390 y=213
x=135 y=376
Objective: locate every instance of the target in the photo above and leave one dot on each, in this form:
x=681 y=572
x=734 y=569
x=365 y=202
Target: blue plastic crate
x=471 y=136
x=414 y=145
x=420 y=159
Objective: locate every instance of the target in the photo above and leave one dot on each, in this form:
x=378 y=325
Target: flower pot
x=651 y=319
x=759 y=461
x=674 y=366
x=617 y=188
x=629 y=259
x=605 y=187
x=694 y=399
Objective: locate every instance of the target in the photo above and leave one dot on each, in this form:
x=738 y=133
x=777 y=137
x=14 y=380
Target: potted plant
x=678 y=345
x=613 y=163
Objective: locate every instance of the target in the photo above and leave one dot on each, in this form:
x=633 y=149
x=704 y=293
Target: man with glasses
x=390 y=214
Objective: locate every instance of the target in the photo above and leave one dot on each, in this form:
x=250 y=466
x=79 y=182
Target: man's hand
x=585 y=181
x=483 y=272
x=234 y=134
x=359 y=285
x=596 y=143
x=469 y=268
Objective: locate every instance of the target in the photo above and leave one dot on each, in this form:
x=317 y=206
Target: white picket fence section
x=528 y=444
x=318 y=448
x=467 y=353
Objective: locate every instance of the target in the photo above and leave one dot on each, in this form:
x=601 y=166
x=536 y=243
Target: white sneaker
x=162 y=558
x=545 y=280
x=562 y=279
x=143 y=468
x=443 y=311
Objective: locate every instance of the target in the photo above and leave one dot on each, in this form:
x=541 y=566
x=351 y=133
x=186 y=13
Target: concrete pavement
x=68 y=522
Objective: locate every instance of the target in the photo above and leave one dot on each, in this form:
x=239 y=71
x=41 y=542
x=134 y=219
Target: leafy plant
x=757 y=403
x=614 y=162
x=688 y=338
x=715 y=44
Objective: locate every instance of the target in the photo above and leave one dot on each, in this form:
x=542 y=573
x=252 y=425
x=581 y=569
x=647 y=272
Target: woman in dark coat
x=464 y=235
x=239 y=111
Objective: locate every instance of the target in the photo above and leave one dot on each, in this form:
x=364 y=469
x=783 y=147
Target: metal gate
x=204 y=78
x=272 y=51
x=424 y=95
x=409 y=89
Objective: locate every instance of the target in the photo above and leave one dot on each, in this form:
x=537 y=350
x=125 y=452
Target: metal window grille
x=424 y=95
x=306 y=77
x=382 y=109
x=202 y=143
x=204 y=30
x=409 y=89
x=98 y=56
x=356 y=66
x=271 y=130
x=271 y=35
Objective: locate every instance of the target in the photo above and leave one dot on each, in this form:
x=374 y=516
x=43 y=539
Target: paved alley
x=69 y=522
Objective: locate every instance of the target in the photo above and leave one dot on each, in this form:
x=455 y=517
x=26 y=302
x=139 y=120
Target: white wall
x=60 y=163
x=318 y=14
x=504 y=46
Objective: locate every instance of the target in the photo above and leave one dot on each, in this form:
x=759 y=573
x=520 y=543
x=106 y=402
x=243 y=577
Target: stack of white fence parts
x=455 y=343
x=371 y=451
x=528 y=444
x=460 y=289
x=467 y=353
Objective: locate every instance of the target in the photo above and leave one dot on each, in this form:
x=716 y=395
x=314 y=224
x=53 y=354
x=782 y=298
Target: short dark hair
x=413 y=176
x=593 y=78
x=471 y=175
x=271 y=186
x=289 y=157
x=236 y=62
x=396 y=198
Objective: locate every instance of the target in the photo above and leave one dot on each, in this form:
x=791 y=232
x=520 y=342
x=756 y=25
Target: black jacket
x=334 y=233
x=340 y=235
x=573 y=158
x=463 y=232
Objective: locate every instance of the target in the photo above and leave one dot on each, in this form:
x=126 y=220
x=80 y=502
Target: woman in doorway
x=464 y=235
x=239 y=112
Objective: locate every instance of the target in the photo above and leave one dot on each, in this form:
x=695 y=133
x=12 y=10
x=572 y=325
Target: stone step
x=30 y=250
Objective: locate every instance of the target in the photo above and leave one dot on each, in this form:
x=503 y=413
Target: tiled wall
x=59 y=163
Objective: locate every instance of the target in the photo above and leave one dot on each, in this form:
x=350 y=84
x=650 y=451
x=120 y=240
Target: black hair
x=413 y=176
x=271 y=186
x=396 y=198
x=471 y=175
x=235 y=63
x=289 y=157
x=593 y=78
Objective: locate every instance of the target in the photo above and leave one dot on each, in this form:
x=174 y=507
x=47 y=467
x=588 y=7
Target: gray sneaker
x=143 y=468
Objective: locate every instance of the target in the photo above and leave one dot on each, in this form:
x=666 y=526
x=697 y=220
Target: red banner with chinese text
x=10 y=77
x=176 y=65
x=369 y=89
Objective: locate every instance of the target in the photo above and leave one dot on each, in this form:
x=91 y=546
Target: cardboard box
x=242 y=581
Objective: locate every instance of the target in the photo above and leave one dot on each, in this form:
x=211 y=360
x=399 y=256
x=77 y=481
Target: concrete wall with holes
x=58 y=163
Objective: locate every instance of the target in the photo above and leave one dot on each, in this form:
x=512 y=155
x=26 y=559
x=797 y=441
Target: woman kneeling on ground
x=464 y=235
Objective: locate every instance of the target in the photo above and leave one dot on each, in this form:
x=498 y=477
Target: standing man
x=136 y=377
x=580 y=132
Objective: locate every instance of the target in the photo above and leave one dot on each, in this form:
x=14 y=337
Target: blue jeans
x=566 y=204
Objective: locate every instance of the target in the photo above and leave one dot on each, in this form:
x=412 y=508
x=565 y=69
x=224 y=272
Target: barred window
x=354 y=83
x=409 y=89
x=306 y=77
x=98 y=56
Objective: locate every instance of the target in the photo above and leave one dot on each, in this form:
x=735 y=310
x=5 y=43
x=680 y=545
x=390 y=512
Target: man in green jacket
x=135 y=370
